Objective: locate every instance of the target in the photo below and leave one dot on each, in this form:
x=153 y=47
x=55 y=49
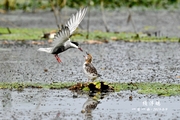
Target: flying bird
x=61 y=41
x=89 y=69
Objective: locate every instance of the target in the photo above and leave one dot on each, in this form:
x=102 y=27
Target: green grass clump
x=21 y=86
x=36 y=34
x=159 y=89
x=21 y=33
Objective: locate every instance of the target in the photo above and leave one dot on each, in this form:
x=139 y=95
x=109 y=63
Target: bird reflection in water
x=91 y=104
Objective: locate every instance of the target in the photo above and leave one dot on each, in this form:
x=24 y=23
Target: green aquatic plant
x=37 y=33
x=160 y=89
x=18 y=86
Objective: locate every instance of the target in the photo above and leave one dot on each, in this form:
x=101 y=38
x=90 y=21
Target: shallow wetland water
x=116 y=61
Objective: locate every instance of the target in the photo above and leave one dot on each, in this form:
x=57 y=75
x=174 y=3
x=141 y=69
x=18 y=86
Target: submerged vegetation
x=159 y=89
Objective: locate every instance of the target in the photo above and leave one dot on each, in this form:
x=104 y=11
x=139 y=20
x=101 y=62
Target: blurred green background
x=13 y=33
x=30 y=5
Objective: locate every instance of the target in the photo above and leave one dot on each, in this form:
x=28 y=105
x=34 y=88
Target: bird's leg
x=89 y=79
x=57 y=58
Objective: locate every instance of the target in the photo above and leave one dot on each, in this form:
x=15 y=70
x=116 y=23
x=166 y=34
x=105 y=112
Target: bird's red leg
x=57 y=58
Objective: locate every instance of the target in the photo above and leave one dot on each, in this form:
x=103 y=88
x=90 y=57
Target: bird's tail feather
x=48 y=50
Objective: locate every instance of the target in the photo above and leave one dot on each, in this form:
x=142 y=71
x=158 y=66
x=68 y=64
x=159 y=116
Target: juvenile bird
x=89 y=69
x=61 y=41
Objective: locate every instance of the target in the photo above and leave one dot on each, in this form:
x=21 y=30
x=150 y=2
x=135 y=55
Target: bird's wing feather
x=75 y=20
x=91 y=69
x=61 y=37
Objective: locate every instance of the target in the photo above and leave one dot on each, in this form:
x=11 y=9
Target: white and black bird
x=61 y=41
x=89 y=69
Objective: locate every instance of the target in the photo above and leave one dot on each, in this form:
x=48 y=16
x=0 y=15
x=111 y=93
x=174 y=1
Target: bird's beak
x=80 y=49
x=87 y=53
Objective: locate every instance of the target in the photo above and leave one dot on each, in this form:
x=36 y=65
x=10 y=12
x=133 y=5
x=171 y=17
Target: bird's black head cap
x=76 y=43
